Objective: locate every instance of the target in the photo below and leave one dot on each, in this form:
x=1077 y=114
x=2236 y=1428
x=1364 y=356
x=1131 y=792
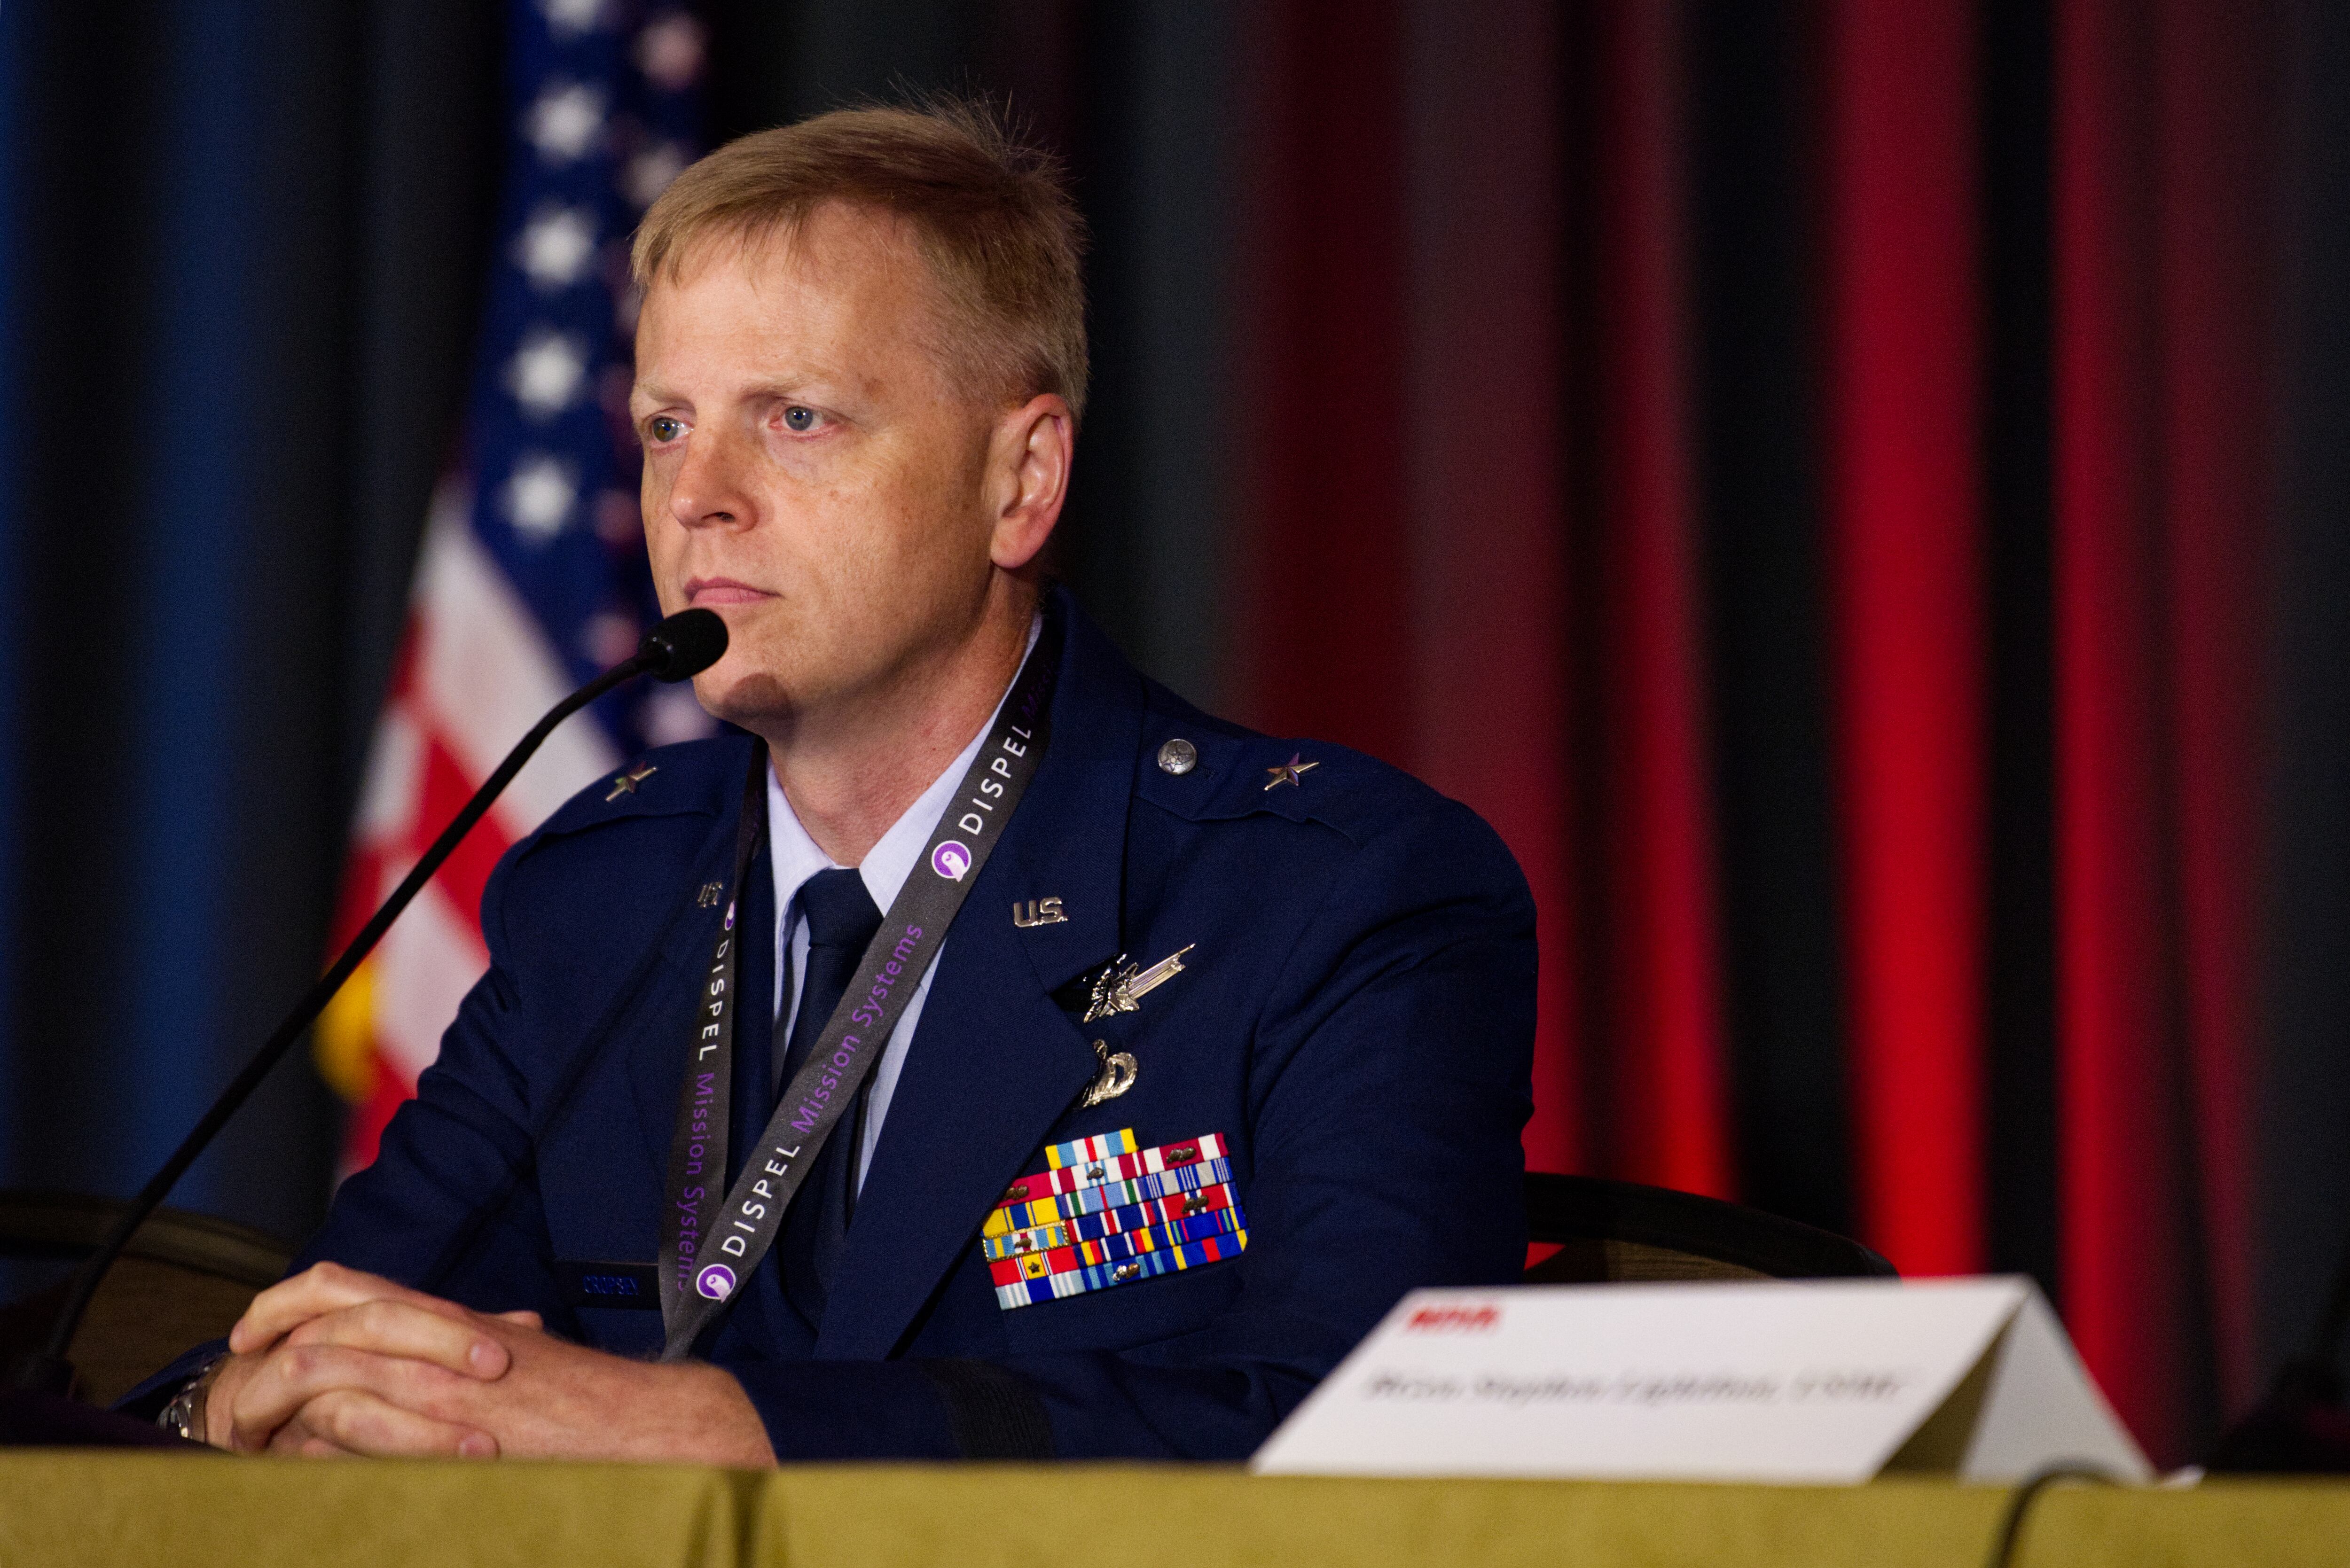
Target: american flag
x=531 y=576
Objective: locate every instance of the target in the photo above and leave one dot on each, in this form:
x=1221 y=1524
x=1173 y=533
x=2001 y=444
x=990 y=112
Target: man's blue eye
x=796 y=418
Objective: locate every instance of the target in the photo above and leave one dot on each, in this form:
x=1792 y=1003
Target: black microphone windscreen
x=684 y=645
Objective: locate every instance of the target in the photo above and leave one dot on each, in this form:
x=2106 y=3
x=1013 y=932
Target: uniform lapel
x=658 y=1022
x=994 y=1062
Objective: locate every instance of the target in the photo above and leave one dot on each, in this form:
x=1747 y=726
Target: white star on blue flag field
x=603 y=112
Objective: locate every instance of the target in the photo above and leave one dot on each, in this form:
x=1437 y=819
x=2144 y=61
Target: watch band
x=186 y=1413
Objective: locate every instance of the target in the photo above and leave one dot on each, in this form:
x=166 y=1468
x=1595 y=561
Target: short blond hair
x=993 y=217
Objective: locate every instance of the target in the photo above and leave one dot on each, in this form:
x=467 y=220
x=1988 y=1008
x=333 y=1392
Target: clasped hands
x=336 y=1361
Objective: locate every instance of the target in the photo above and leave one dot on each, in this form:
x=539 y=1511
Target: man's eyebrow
x=781 y=385
x=811 y=381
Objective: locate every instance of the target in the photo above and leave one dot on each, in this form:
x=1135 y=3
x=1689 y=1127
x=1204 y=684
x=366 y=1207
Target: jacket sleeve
x=451 y=1204
x=1391 y=1082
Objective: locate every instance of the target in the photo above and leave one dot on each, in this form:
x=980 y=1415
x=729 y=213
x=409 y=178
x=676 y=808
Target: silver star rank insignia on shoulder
x=1120 y=987
x=627 y=783
x=1288 y=773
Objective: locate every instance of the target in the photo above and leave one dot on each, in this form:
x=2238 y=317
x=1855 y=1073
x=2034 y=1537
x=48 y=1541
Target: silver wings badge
x=1121 y=987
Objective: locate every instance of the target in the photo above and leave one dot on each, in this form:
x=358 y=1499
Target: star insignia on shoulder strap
x=1288 y=773
x=627 y=783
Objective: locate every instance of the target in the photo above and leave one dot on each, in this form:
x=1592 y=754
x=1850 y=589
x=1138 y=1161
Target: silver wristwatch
x=186 y=1413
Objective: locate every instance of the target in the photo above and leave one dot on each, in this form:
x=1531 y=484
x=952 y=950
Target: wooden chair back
x=1619 y=1231
x=184 y=1279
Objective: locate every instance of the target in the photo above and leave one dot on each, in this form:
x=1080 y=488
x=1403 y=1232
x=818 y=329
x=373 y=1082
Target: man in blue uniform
x=981 y=1051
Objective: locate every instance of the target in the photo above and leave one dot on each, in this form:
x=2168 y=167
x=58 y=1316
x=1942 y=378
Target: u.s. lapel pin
x=710 y=892
x=627 y=783
x=1038 y=912
x=1120 y=987
x=1288 y=773
x=1116 y=1076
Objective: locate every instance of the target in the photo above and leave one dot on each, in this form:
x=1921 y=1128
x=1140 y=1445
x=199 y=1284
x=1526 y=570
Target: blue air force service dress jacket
x=1350 y=1033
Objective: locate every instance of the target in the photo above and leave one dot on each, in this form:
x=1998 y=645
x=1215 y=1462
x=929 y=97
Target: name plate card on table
x=1816 y=1382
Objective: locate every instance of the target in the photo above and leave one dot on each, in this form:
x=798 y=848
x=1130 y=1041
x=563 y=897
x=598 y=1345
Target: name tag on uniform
x=1104 y=1214
x=628 y=1286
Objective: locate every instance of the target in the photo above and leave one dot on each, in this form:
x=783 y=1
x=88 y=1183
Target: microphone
x=676 y=648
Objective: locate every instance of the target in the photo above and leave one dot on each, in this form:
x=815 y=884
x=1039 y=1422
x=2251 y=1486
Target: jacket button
x=1178 y=756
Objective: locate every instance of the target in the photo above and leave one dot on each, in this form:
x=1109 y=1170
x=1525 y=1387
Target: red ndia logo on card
x=1452 y=1319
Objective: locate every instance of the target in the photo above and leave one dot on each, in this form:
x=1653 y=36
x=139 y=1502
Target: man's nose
x=708 y=491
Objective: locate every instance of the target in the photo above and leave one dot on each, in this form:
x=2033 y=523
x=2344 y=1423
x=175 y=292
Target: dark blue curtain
x=236 y=265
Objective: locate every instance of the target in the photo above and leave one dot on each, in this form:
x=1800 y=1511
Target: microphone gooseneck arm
x=683 y=645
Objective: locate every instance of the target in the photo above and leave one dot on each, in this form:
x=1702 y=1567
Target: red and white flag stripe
x=474 y=673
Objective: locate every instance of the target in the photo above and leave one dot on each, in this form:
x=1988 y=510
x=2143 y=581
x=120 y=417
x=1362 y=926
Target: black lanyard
x=710 y=1249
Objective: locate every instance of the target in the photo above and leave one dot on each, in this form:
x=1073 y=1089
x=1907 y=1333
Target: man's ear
x=1034 y=445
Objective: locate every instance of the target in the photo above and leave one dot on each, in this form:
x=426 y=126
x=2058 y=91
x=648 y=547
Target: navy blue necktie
x=841 y=918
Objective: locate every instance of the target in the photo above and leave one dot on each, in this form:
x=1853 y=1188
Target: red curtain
x=1480 y=535
x=1902 y=326
x=1663 y=1114
x=2160 y=457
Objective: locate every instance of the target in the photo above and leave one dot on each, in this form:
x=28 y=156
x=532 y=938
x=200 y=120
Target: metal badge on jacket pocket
x=1104 y=1214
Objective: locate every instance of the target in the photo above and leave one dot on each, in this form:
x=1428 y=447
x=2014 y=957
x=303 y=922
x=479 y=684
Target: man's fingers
x=298 y=1441
x=353 y=1422
x=322 y=1288
x=294 y=1375
x=524 y=1317
x=220 y=1399
x=402 y=1328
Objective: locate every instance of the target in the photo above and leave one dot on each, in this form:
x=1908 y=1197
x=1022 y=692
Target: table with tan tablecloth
x=194 y=1512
